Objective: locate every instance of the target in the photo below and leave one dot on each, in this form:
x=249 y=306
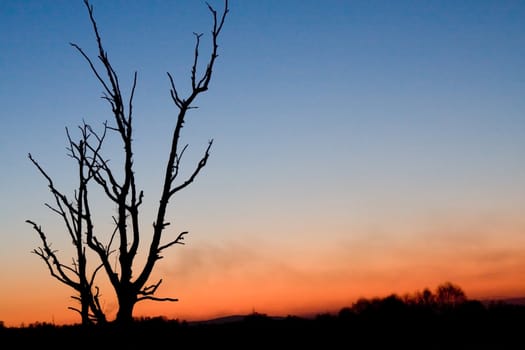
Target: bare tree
x=76 y=217
x=131 y=286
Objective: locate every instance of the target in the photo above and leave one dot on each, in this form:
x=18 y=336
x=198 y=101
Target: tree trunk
x=126 y=300
x=85 y=309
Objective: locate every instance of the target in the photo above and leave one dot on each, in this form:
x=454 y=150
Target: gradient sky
x=361 y=148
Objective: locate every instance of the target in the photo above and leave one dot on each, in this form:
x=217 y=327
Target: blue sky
x=335 y=124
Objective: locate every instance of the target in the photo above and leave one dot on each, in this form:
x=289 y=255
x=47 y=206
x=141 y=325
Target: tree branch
x=202 y=164
x=178 y=240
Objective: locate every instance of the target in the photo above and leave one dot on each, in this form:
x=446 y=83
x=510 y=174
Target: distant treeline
x=444 y=319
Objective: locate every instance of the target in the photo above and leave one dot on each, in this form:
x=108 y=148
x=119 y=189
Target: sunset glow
x=360 y=149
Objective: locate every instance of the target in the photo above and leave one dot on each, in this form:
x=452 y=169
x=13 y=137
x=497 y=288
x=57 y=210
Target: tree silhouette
x=76 y=217
x=425 y=298
x=95 y=169
x=450 y=295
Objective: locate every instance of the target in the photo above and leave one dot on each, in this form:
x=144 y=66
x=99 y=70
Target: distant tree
x=425 y=298
x=392 y=304
x=130 y=286
x=361 y=305
x=449 y=294
x=346 y=313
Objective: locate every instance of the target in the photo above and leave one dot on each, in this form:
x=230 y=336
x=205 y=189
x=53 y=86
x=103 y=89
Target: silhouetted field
x=387 y=323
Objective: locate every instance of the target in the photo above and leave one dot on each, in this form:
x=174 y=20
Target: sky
x=361 y=148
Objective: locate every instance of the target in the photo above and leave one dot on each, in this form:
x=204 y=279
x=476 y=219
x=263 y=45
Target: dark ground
x=388 y=323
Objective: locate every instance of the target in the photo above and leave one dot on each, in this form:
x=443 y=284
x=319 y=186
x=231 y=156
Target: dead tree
x=77 y=218
x=131 y=286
